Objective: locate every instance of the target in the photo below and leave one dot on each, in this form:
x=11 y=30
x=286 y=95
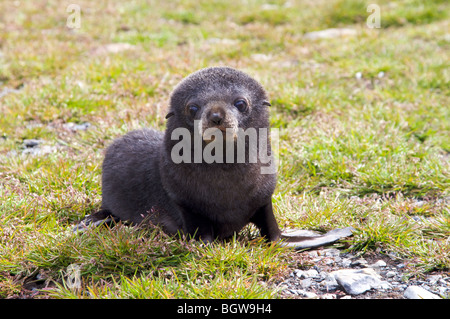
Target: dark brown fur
x=140 y=180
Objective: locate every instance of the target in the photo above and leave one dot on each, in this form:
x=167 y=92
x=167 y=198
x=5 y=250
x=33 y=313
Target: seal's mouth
x=225 y=133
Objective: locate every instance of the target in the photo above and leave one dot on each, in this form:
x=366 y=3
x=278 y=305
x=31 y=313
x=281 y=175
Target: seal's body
x=141 y=180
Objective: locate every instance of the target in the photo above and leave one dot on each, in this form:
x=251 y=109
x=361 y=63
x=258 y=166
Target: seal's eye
x=193 y=109
x=241 y=105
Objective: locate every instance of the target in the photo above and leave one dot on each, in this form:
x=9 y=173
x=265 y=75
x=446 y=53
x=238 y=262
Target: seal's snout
x=216 y=118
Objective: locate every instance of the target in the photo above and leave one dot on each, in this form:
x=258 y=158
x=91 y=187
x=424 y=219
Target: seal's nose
x=216 y=118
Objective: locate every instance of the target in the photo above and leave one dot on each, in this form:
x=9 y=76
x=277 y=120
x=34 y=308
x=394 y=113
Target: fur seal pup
x=149 y=176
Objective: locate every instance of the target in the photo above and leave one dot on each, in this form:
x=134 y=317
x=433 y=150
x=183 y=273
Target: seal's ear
x=169 y=114
x=265 y=102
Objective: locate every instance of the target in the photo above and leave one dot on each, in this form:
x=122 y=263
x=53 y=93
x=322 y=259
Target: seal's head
x=218 y=98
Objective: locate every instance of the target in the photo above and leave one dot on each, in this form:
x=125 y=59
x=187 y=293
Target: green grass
x=370 y=152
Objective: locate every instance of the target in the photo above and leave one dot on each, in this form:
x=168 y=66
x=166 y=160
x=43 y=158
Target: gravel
x=338 y=275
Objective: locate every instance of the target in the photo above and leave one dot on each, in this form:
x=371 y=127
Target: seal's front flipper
x=306 y=239
x=96 y=219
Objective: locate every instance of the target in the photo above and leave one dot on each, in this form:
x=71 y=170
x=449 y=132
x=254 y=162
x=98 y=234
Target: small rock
x=311 y=273
x=359 y=262
x=328 y=296
x=426 y=287
x=391 y=274
x=329 y=284
x=303 y=293
x=416 y=292
x=380 y=263
x=36 y=147
x=419 y=203
x=443 y=291
x=309 y=295
x=331 y=252
x=40 y=277
x=419 y=219
x=346 y=262
x=322 y=275
x=433 y=279
x=30 y=143
x=293 y=291
x=393 y=255
x=306 y=283
x=331 y=261
x=297 y=273
x=358 y=281
x=442 y=282
x=38 y=151
x=302 y=274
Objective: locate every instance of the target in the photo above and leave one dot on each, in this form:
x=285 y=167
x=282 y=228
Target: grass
x=369 y=151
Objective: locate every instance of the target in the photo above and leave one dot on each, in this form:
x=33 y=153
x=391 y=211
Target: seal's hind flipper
x=96 y=219
x=301 y=239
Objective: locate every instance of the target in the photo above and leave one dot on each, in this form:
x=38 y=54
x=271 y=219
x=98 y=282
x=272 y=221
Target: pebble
x=416 y=292
x=330 y=283
x=358 y=281
x=346 y=262
x=306 y=283
x=310 y=295
x=380 y=263
x=332 y=252
x=39 y=147
x=391 y=274
x=36 y=147
x=303 y=293
x=359 y=262
x=434 y=279
x=311 y=273
x=30 y=143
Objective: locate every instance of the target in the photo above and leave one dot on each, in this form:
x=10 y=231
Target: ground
x=363 y=123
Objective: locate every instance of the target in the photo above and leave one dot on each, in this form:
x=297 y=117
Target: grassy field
x=364 y=119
